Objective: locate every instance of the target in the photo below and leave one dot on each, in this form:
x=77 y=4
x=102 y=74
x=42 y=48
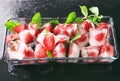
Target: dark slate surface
x=60 y=8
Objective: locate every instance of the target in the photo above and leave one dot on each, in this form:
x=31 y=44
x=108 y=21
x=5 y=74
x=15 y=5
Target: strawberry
x=49 y=42
x=66 y=29
x=20 y=28
x=87 y=25
x=29 y=53
x=100 y=36
x=40 y=51
x=27 y=36
x=97 y=36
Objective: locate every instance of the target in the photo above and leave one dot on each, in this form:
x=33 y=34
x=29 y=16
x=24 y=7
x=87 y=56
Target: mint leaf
x=36 y=19
x=49 y=54
x=94 y=10
x=54 y=22
x=71 y=17
x=11 y=24
x=78 y=20
x=84 y=11
x=77 y=36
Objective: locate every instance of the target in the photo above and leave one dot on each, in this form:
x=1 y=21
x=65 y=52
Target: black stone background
x=60 y=8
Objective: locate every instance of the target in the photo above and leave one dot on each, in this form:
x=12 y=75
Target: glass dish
x=76 y=60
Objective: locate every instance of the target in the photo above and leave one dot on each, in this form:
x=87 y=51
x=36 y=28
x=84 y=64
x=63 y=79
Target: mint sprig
x=94 y=17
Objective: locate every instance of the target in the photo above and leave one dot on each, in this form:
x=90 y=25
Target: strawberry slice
x=49 y=42
x=20 y=28
x=87 y=25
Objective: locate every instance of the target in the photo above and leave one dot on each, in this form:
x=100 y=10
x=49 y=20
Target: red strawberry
x=66 y=29
x=20 y=28
x=49 y=42
x=26 y=36
x=100 y=36
x=47 y=26
x=87 y=25
x=40 y=51
x=29 y=53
